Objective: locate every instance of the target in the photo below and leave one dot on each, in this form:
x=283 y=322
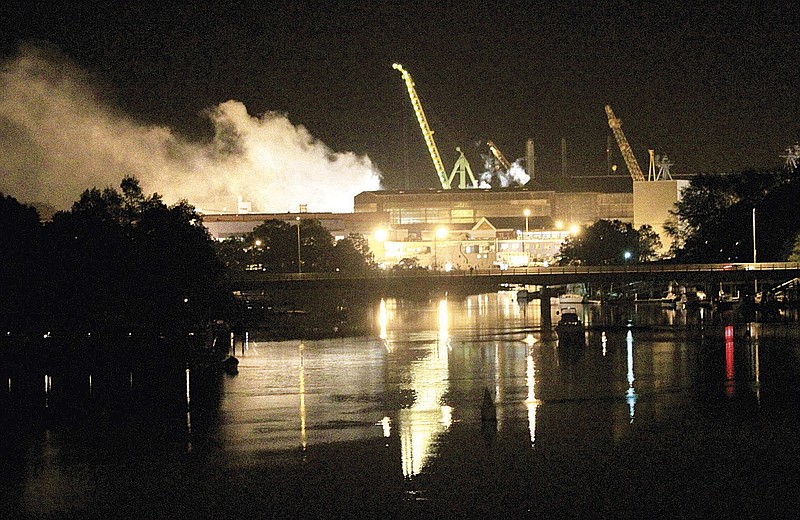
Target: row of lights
x=381 y=235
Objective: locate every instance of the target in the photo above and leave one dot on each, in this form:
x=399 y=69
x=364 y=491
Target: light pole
x=754 y=235
x=440 y=233
x=299 y=261
x=527 y=214
x=755 y=280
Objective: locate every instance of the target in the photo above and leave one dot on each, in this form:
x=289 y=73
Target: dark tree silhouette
x=123 y=259
x=610 y=242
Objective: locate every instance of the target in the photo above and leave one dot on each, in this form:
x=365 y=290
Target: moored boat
x=571 y=298
x=570 y=328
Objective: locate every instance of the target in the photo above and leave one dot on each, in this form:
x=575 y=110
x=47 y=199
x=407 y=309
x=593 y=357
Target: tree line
x=119 y=258
x=116 y=260
x=712 y=223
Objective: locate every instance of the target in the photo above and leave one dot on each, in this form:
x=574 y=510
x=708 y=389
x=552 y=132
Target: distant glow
x=630 y=394
x=447 y=416
x=444 y=322
x=559 y=224
x=383 y=320
x=188 y=403
x=448 y=267
x=527 y=212
x=574 y=229
x=303 y=437
x=48 y=385
x=386 y=423
x=258 y=242
x=427 y=417
x=730 y=374
x=441 y=232
x=627 y=255
x=531 y=402
x=381 y=235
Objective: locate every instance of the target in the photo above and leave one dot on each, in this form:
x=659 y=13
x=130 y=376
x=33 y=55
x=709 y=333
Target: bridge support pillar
x=546 y=321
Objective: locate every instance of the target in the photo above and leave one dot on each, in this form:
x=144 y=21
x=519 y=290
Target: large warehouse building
x=480 y=228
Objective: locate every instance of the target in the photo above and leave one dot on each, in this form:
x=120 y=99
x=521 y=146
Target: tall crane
x=499 y=155
x=427 y=133
x=624 y=147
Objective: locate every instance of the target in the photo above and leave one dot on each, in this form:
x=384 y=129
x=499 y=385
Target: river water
x=684 y=413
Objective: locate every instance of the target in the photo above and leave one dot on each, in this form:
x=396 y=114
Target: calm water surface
x=658 y=411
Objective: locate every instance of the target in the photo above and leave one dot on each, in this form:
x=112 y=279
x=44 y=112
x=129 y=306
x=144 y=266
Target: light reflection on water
x=416 y=381
x=425 y=369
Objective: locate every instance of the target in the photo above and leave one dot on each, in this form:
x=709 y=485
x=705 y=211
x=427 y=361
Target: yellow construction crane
x=461 y=167
x=624 y=147
x=427 y=133
x=499 y=155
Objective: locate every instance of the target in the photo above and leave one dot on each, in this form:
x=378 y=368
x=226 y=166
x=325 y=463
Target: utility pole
x=754 y=236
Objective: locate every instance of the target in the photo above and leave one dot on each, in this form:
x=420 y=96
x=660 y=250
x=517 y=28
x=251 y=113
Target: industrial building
x=477 y=226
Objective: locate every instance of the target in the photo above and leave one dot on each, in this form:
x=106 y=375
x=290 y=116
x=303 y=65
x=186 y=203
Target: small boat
x=230 y=365
x=571 y=298
x=569 y=327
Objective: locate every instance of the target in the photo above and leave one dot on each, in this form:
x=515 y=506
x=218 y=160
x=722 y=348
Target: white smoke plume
x=57 y=139
x=515 y=176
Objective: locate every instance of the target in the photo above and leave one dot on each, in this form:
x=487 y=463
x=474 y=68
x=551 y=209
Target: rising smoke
x=57 y=139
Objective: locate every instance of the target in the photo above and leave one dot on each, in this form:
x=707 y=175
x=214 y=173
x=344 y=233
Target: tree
x=713 y=221
x=20 y=235
x=794 y=255
x=126 y=259
x=610 y=242
x=273 y=246
x=352 y=254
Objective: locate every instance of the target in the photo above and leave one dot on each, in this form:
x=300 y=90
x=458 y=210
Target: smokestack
x=564 y=157
x=530 y=159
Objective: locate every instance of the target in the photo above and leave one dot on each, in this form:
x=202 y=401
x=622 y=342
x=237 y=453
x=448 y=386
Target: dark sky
x=712 y=84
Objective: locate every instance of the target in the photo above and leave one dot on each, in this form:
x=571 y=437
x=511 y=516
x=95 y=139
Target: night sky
x=712 y=84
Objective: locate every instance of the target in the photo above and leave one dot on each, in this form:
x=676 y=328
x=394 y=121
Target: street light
x=527 y=214
x=299 y=261
x=755 y=280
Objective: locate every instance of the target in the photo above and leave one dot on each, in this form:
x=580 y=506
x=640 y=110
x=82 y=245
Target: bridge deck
x=773 y=272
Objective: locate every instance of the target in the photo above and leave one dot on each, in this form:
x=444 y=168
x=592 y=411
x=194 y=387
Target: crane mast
x=427 y=133
x=498 y=155
x=624 y=147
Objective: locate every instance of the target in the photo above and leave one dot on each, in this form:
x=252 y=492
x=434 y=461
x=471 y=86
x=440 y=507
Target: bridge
x=491 y=279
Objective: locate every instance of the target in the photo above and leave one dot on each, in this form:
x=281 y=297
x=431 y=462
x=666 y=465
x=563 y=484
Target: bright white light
x=381 y=235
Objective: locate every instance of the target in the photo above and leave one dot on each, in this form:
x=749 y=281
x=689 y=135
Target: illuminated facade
x=477 y=228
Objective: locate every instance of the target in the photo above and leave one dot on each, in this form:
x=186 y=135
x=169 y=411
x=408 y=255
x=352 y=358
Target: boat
x=571 y=298
x=570 y=328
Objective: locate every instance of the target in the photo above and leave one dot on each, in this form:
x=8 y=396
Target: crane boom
x=427 y=133
x=499 y=155
x=624 y=147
